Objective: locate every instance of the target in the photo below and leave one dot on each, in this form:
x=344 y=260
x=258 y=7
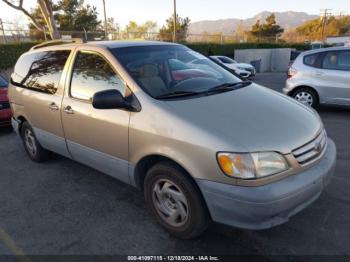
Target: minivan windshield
x=173 y=70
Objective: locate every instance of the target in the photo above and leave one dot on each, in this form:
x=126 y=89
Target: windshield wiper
x=216 y=89
x=228 y=86
x=177 y=94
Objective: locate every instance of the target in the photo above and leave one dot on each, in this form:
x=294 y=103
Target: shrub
x=9 y=53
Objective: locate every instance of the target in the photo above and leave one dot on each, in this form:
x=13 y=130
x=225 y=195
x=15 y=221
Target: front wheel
x=306 y=96
x=175 y=201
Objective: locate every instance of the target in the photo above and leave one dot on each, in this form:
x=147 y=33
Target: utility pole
x=3 y=31
x=104 y=10
x=175 y=16
x=324 y=20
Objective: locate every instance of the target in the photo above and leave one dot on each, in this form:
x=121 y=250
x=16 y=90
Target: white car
x=320 y=76
x=243 y=69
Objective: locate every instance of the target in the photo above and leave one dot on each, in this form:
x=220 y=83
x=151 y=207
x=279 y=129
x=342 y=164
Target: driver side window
x=91 y=74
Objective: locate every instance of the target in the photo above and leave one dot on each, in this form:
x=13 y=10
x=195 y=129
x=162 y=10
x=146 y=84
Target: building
x=338 y=40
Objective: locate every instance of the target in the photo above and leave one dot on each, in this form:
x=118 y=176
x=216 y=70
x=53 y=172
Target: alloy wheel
x=30 y=142
x=304 y=98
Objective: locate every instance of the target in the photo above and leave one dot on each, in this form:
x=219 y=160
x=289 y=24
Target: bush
x=9 y=53
x=229 y=49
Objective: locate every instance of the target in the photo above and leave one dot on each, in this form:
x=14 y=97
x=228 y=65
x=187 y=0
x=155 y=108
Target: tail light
x=291 y=72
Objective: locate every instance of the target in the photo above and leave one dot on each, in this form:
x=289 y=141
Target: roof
x=120 y=43
x=106 y=44
x=337 y=48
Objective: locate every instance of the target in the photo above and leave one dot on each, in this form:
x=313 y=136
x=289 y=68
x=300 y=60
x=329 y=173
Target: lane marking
x=10 y=243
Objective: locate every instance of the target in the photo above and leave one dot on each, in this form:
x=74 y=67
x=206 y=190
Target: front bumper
x=272 y=204
x=289 y=87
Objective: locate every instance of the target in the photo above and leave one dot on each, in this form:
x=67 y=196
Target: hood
x=252 y=118
x=245 y=65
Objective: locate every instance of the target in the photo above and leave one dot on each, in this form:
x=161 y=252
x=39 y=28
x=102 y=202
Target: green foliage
x=135 y=30
x=229 y=49
x=334 y=26
x=9 y=53
x=269 y=30
x=75 y=16
x=71 y=15
x=182 y=25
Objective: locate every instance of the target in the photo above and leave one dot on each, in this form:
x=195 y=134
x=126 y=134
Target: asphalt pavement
x=62 y=207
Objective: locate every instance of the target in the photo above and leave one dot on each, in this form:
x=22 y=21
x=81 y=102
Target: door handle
x=68 y=110
x=53 y=107
x=319 y=73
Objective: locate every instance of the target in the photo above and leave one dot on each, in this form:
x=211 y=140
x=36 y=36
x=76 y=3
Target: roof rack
x=58 y=42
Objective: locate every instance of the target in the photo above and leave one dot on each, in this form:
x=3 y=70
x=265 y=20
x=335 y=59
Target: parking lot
x=62 y=207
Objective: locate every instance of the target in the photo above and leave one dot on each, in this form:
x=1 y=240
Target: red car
x=5 y=110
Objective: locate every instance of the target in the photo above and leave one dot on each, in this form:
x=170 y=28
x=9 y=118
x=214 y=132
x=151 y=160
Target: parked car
x=321 y=76
x=205 y=147
x=5 y=110
x=243 y=69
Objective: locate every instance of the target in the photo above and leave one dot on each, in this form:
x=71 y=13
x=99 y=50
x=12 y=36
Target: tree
x=70 y=15
x=182 y=25
x=46 y=12
x=133 y=30
x=335 y=26
x=73 y=15
x=267 y=31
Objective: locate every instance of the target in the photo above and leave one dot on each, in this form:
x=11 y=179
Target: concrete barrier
x=272 y=60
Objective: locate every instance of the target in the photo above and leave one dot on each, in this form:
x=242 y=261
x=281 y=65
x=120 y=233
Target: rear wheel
x=306 y=96
x=34 y=150
x=175 y=201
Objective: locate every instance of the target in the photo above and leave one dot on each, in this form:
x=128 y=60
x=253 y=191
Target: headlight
x=242 y=68
x=252 y=165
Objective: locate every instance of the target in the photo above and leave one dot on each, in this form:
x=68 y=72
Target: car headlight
x=252 y=165
x=242 y=68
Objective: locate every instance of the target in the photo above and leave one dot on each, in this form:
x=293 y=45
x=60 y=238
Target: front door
x=95 y=137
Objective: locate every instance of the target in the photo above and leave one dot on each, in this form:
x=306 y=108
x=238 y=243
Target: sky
x=159 y=10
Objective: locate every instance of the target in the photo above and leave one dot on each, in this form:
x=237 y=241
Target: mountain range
x=286 y=20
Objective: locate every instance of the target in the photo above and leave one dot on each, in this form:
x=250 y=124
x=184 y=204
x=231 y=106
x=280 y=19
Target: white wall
x=272 y=60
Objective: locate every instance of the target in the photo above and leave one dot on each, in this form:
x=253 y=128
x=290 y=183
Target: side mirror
x=109 y=99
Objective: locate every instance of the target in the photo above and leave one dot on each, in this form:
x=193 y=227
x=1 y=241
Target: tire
x=33 y=148
x=306 y=96
x=177 y=195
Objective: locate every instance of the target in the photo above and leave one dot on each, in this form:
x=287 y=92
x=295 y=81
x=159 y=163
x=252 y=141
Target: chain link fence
x=9 y=36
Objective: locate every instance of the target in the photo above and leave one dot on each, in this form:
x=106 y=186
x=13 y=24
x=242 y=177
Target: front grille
x=4 y=105
x=311 y=150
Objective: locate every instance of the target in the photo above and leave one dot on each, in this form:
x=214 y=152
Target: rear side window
x=337 y=60
x=41 y=71
x=311 y=60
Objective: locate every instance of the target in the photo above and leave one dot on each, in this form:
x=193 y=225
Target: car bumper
x=269 y=205
x=15 y=125
x=288 y=88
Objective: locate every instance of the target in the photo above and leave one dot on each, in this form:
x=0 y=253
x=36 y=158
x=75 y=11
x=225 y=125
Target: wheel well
x=21 y=120
x=147 y=162
x=308 y=87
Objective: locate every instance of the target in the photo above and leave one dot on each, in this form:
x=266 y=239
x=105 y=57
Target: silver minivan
x=321 y=76
x=202 y=144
